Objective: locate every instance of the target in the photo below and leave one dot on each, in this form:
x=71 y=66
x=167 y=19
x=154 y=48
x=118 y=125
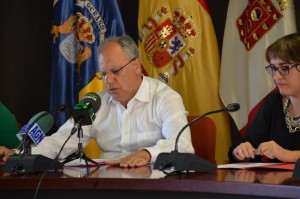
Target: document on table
x=250 y=165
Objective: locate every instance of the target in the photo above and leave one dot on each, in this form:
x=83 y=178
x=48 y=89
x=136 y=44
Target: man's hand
x=137 y=159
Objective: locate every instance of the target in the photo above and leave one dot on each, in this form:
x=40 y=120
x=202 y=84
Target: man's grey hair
x=126 y=43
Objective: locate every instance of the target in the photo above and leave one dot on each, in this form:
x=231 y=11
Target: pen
x=254 y=151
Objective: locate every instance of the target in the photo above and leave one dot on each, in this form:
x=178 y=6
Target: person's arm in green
x=8 y=128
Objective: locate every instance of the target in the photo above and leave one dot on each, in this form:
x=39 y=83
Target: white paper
x=243 y=165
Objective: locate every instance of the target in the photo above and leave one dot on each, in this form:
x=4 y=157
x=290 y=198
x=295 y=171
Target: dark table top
x=248 y=182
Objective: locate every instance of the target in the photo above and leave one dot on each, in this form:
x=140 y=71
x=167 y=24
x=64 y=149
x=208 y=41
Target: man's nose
x=109 y=78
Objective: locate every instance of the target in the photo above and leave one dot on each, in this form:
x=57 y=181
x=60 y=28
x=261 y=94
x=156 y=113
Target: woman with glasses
x=274 y=134
x=138 y=119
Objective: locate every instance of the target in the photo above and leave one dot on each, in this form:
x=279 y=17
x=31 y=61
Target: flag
x=178 y=46
x=78 y=28
x=251 y=26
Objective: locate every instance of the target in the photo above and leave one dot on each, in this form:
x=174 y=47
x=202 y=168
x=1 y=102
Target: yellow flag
x=95 y=85
x=178 y=46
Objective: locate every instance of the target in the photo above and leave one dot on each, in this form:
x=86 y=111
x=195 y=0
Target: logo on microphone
x=36 y=134
x=23 y=131
x=89 y=96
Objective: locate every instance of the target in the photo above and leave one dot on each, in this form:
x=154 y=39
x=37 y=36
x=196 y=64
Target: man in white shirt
x=139 y=116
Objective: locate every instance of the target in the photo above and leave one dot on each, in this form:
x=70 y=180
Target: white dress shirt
x=152 y=121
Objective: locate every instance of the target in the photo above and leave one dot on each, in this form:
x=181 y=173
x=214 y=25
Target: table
x=144 y=182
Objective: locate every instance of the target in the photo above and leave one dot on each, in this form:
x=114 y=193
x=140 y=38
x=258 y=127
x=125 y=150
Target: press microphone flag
x=43 y=119
x=23 y=131
x=36 y=134
x=186 y=161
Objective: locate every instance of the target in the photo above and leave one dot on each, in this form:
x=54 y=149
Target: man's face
x=122 y=74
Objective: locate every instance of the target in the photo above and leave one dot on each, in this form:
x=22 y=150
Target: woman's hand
x=244 y=151
x=273 y=150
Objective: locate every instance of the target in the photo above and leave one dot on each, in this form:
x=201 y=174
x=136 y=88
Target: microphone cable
x=52 y=164
x=92 y=98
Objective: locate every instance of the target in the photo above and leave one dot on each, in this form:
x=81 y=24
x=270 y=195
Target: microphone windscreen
x=44 y=119
x=92 y=98
x=233 y=107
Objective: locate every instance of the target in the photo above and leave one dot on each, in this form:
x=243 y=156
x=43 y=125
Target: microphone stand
x=180 y=162
x=193 y=121
x=80 y=154
x=25 y=145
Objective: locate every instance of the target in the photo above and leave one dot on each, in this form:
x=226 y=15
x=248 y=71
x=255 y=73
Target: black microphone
x=84 y=112
x=186 y=161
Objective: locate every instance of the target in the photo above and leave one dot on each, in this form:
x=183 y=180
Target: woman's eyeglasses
x=283 y=70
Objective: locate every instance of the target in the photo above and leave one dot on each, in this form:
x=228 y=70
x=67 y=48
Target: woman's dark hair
x=286 y=48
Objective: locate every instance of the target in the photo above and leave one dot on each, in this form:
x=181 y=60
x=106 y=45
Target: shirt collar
x=143 y=93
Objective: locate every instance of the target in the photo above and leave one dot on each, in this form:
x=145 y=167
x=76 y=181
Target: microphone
x=84 y=112
x=186 y=161
x=38 y=127
x=44 y=120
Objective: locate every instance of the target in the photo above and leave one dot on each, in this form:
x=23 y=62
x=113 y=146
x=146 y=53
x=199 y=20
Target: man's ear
x=137 y=65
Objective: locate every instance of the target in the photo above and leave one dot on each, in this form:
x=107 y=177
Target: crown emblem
x=165 y=39
x=84 y=29
x=184 y=23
